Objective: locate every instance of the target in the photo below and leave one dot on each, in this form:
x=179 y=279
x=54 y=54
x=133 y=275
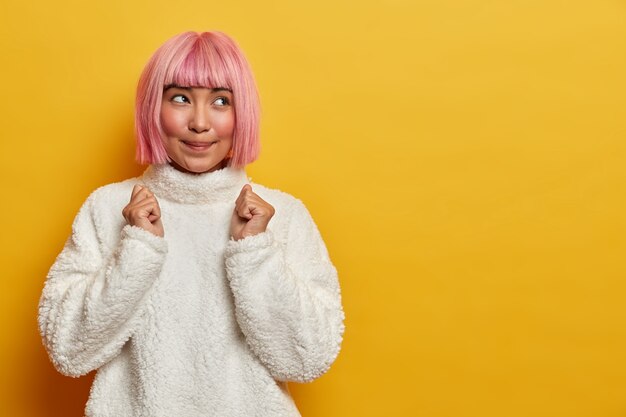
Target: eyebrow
x=213 y=90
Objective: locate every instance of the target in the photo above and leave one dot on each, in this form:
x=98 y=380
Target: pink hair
x=208 y=59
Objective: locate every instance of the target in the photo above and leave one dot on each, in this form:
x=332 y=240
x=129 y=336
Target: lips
x=198 y=146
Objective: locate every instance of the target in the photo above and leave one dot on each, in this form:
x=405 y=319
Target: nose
x=199 y=121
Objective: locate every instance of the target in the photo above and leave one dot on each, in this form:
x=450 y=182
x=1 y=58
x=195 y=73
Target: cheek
x=171 y=122
x=224 y=124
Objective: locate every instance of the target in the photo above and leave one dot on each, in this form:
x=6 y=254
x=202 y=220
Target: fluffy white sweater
x=195 y=323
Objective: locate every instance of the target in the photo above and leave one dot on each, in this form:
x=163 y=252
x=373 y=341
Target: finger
x=243 y=193
x=142 y=210
x=245 y=211
x=159 y=224
x=156 y=210
x=140 y=194
x=255 y=204
x=255 y=199
x=136 y=189
x=149 y=204
x=246 y=190
x=259 y=206
x=144 y=194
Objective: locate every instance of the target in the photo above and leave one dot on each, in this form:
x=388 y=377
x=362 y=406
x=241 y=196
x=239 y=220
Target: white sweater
x=195 y=323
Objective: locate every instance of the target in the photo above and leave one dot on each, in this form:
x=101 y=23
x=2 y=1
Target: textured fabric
x=195 y=323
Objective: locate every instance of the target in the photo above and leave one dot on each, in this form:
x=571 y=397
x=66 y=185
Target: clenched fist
x=251 y=214
x=143 y=211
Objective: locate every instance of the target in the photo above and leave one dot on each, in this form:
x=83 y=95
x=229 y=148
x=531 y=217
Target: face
x=198 y=124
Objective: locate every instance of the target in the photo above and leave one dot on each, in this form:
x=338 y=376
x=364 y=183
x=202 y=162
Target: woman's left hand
x=251 y=214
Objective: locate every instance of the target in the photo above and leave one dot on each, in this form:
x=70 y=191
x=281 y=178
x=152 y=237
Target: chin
x=199 y=168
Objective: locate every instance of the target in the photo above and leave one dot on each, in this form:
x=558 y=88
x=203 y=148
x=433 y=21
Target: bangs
x=200 y=66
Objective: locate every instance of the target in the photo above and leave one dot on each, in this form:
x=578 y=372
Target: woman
x=190 y=290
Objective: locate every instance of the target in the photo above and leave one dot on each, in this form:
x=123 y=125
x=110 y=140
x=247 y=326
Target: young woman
x=190 y=290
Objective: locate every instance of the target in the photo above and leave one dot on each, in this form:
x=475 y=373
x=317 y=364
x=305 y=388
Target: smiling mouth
x=198 y=146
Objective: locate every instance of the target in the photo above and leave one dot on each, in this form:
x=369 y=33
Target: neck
x=177 y=167
x=222 y=185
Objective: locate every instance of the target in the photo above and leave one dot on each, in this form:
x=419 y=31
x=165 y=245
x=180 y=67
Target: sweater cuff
x=250 y=243
x=157 y=243
x=248 y=253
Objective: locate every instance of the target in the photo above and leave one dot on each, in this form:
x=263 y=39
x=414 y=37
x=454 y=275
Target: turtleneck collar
x=223 y=185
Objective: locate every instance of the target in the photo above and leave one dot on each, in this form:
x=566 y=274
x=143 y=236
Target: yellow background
x=464 y=160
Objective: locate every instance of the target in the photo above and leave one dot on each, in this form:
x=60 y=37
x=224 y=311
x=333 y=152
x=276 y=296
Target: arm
x=91 y=302
x=287 y=298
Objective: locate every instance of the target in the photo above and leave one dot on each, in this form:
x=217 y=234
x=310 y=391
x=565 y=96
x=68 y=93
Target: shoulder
x=281 y=200
x=293 y=225
x=103 y=207
x=111 y=193
x=99 y=221
x=291 y=212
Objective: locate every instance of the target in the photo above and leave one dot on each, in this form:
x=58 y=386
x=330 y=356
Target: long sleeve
x=287 y=298
x=93 y=295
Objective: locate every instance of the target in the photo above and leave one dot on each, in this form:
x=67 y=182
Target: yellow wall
x=465 y=162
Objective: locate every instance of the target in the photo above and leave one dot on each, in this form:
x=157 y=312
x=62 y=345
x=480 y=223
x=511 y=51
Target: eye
x=221 y=101
x=179 y=98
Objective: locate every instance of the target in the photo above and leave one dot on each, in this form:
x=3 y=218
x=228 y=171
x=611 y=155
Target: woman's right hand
x=143 y=211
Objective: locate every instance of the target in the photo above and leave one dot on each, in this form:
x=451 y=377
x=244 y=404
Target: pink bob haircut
x=191 y=59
